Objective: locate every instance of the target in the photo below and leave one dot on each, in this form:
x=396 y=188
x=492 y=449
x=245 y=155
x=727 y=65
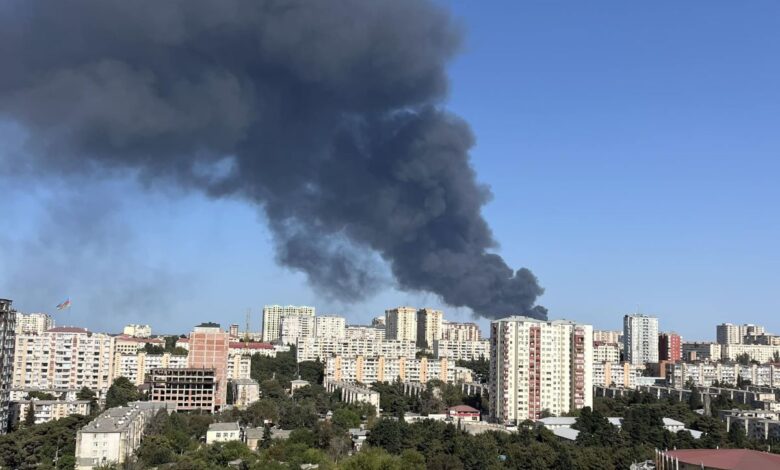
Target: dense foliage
x=121 y=392
x=480 y=367
x=39 y=445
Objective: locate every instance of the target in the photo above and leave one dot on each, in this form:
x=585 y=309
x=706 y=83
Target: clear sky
x=631 y=147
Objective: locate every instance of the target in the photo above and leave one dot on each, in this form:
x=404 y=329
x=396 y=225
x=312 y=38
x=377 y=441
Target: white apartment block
x=757 y=352
x=330 y=326
x=135 y=367
x=729 y=333
x=606 y=352
x=706 y=373
x=137 y=331
x=539 y=365
x=295 y=327
x=462 y=350
x=369 y=333
x=607 y=336
x=640 y=339
x=311 y=349
x=453 y=331
x=401 y=324
x=272 y=319
x=48 y=410
x=245 y=392
x=353 y=393
x=124 y=344
x=113 y=437
x=429 y=326
x=701 y=351
x=64 y=358
x=239 y=366
x=33 y=323
x=367 y=370
x=616 y=374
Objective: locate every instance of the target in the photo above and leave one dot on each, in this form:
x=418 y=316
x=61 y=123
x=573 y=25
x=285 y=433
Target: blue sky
x=632 y=150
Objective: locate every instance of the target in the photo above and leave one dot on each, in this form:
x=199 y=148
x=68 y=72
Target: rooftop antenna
x=246 y=326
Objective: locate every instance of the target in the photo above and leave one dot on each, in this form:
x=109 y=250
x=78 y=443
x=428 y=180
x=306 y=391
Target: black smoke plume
x=327 y=114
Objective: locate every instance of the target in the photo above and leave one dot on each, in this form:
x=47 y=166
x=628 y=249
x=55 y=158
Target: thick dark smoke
x=324 y=113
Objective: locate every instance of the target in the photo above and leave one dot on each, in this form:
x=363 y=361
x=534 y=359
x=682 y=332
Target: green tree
x=38 y=395
x=29 y=416
x=265 y=441
x=121 y=392
x=345 y=418
x=736 y=435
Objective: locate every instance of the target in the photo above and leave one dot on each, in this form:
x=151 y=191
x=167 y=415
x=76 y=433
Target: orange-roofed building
x=716 y=459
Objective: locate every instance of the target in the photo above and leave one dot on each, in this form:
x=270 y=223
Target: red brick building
x=209 y=347
x=669 y=347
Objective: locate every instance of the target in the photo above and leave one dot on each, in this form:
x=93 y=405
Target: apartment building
x=33 y=323
x=245 y=391
x=539 y=365
x=330 y=326
x=706 y=373
x=608 y=336
x=640 y=339
x=311 y=349
x=295 y=327
x=462 y=350
x=239 y=366
x=669 y=347
x=429 y=327
x=209 y=349
x=352 y=392
x=729 y=333
x=453 y=331
x=367 y=333
x=124 y=344
x=250 y=348
x=368 y=370
x=186 y=389
x=272 y=319
x=701 y=351
x=7 y=348
x=606 y=352
x=48 y=410
x=616 y=374
x=137 y=331
x=113 y=437
x=136 y=367
x=757 y=352
x=64 y=358
x=401 y=324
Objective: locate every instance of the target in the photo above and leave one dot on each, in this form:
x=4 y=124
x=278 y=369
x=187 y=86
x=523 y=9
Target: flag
x=64 y=305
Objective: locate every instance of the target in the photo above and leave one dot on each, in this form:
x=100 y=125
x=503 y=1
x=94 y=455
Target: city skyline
x=650 y=199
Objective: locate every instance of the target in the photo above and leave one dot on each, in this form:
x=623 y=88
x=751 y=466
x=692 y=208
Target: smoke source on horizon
x=325 y=114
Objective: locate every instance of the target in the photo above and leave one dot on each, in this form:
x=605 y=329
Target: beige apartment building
x=401 y=324
x=272 y=319
x=429 y=326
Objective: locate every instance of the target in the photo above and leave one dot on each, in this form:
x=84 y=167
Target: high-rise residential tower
x=7 y=344
x=272 y=319
x=401 y=324
x=640 y=339
x=669 y=347
x=33 y=323
x=538 y=365
x=429 y=326
x=209 y=348
x=330 y=326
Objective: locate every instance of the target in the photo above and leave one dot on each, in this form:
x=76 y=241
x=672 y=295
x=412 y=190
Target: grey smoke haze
x=325 y=114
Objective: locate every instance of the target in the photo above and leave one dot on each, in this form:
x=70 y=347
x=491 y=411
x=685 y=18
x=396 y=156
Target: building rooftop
x=224 y=427
x=67 y=329
x=566 y=433
x=463 y=409
x=208 y=325
x=558 y=421
x=118 y=419
x=245 y=382
x=250 y=345
x=726 y=459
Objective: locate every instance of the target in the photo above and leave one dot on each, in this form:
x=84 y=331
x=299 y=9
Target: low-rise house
x=359 y=437
x=245 y=392
x=112 y=437
x=464 y=413
x=223 y=432
x=296 y=384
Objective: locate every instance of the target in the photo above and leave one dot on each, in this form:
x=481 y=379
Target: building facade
x=669 y=347
x=136 y=367
x=295 y=327
x=640 y=339
x=137 y=331
x=33 y=323
x=429 y=327
x=48 y=410
x=368 y=370
x=272 y=319
x=7 y=359
x=245 y=392
x=209 y=348
x=186 y=389
x=64 y=358
x=330 y=326
x=453 y=331
x=401 y=324
x=462 y=350
x=606 y=352
x=729 y=333
x=537 y=366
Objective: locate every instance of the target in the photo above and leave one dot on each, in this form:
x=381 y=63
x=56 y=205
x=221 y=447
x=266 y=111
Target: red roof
x=727 y=459
x=463 y=409
x=251 y=345
x=183 y=340
x=68 y=329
